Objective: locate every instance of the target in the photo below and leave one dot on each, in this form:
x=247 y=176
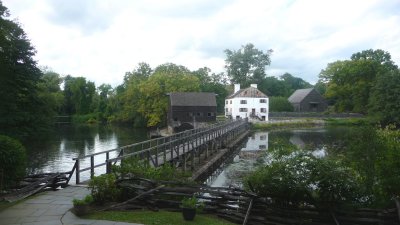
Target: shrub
x=135 y=167
x=86 y=201
x=303 y=178
x=280 y=104
x=103 y=188
x=12 y=161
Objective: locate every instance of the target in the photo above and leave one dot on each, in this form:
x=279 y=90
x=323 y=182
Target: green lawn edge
x=156 y=218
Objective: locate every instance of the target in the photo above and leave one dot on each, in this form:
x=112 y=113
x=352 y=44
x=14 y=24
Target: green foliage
x=280 y=104
x=79 y=95
x=103 y=188
x=12 y=161
x=383 y=103
x=291 y=124
x=284 y=86
x=300 y=177
x=367 y=83
x=135 y=167
x=153 y=102
x=192 y=203
x=246 y=65
x=22 y=110
x=214 y=83
x=87 y=118
x=86 y=201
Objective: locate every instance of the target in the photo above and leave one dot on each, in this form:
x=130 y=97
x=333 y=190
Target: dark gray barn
x=187 y=109
x=308 y=100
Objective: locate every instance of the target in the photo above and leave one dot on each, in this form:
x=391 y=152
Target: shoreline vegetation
x=311 y=122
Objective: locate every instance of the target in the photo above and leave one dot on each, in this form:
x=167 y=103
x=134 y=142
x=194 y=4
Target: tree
x=349 y=83
x=246 y=65
x=280 y=104
x=22 y=112
x=50 y=91
x=153 y=101
x=385 y=98
x=105 y=91
x=78 y=94
x=214 y=83
x=292 y=83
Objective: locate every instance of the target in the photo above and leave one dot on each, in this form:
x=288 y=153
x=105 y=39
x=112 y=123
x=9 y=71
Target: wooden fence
x=241 y=207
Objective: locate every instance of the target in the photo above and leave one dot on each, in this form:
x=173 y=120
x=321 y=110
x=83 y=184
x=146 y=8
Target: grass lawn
x=156 y=218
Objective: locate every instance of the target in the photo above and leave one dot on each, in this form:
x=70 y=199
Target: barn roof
x=299 y=95
x=192 y=99
x=250 y=92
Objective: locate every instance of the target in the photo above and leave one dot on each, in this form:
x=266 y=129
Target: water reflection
x=55 y=152
x=256 y=148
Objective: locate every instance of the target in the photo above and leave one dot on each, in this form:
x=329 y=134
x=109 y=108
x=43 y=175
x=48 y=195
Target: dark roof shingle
x=192 y=99
x=299 y=95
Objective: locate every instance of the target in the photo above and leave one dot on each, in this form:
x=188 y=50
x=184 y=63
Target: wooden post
x=157 y=155
x=77 y=181
x=192 y=157
x=184 y=154
x=108 y=164
x=91 y=167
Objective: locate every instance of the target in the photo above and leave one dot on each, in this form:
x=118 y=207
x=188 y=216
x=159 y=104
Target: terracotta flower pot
x=188 y=213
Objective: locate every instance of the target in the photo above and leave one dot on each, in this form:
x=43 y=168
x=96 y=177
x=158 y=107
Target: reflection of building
x=187 y=109
x=258 y=141
x=307 y=100
x=247 y=103
x=250 y=154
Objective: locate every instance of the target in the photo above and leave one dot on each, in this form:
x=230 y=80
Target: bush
x=86 y=201
x=103 y=188
x=135 y=167
x=280 y=104
x=12 y=161
x=303 y=178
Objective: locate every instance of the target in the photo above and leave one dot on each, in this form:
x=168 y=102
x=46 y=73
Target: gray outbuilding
x=308 y=100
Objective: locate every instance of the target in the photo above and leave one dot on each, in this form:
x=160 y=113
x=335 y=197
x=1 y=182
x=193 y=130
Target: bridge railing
x=147 y=149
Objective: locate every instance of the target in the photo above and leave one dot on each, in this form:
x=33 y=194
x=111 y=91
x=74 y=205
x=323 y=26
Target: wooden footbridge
x=184 y=149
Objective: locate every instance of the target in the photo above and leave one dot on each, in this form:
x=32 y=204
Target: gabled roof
x=299 y=95
x=192 y=99
x=250 y=92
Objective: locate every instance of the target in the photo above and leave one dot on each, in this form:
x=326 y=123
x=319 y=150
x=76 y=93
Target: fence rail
x=181 y=147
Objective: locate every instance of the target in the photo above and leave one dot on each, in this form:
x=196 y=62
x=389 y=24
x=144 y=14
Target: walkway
x=50 y=208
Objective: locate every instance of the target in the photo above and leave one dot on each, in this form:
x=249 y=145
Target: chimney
x=253 y=85
x=237 y=88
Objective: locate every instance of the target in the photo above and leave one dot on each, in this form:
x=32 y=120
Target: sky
x=103 y=39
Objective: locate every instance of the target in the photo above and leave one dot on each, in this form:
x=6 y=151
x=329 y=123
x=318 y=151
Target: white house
x=247 y=103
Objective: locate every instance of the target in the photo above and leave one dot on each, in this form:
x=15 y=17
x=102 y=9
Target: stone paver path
x=50 y=208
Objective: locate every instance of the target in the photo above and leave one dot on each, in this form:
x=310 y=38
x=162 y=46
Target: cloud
x=102 y=39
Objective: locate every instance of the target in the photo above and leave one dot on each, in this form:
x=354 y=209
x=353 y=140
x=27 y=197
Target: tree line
x=31 y=97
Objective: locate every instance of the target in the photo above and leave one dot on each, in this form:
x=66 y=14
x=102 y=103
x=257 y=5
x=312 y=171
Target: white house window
x=227 y=102
x=242 y=109
x=263 y=110
x=263 y=137
x=262 y=147
x=263 y=100
x=226 y=109
x=243 y=101
x=230 y=102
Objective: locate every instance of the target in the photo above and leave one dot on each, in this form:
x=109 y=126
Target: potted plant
x=189 y=207
x=81 y=206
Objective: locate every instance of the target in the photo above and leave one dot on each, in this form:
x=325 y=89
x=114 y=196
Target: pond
x=55 y=152
x=253 y=153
